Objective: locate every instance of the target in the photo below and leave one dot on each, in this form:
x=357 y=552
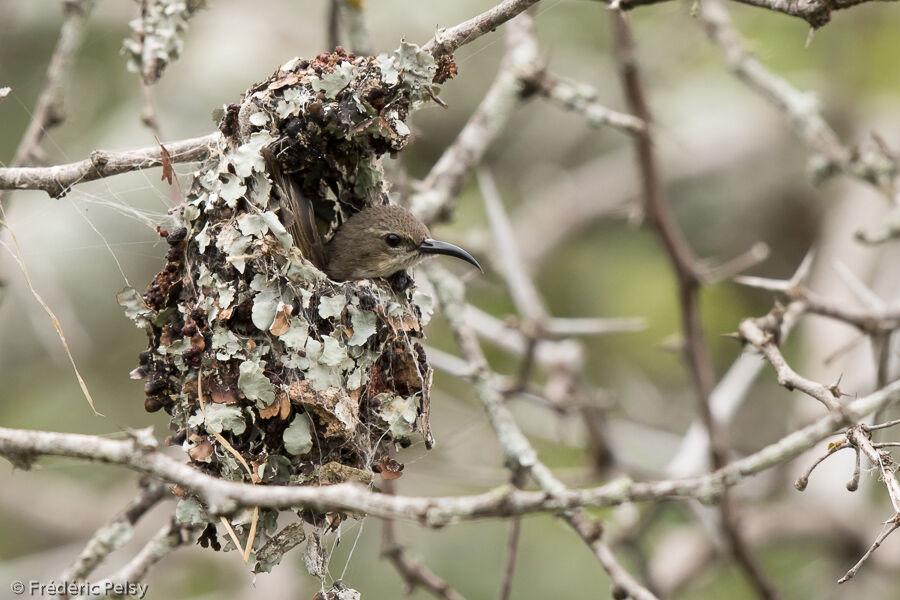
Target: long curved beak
x=430 y=246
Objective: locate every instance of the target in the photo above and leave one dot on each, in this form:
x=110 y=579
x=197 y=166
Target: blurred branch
x=689 y=274
x=351 y=15
x=512 y=544
x=724 y=401
x=170 y=537
x=435 y=195
x=802 y=109
x=520 y=455
x=48 y=111
x=580 y=98
x=413 y=574
x=59 y=179
x=891 y=525
x=114 y=534
x=624 y=585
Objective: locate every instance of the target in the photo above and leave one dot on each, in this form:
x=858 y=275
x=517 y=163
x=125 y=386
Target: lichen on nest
x=271 y=372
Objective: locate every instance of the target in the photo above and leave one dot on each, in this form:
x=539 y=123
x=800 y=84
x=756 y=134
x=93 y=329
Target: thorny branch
x=689 y=277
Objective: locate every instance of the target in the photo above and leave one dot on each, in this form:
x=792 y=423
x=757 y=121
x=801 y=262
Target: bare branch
x=436 y=193
x=48 y=112
x=170 y=537
x=524 y=295
x=801 y=108
x=689 y=274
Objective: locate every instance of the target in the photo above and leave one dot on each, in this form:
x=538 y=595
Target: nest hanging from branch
x=271 y=372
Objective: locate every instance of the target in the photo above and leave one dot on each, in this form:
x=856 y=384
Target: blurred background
x=736 y=175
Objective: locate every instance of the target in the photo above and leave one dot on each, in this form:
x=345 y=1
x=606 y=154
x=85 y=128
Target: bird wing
x=298 y=215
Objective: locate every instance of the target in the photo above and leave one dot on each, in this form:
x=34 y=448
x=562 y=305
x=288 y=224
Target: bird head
x=380 y=241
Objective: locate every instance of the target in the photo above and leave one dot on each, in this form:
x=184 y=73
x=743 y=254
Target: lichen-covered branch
x=57 y=180
x=581 y=98
x=22 y=447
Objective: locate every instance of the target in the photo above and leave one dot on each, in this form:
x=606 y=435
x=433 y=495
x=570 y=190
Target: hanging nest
x=271 y=372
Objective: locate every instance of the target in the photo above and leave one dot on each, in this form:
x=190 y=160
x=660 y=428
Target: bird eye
x=392 y=239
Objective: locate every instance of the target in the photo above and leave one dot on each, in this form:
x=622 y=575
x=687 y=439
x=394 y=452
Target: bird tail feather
x=298 y=215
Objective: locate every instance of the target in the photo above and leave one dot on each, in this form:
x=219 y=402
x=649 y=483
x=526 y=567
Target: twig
x=447 y=41
x=803 y=480
x=58 y=179
x=512 y=545
x=893 y=525
x=148 y=114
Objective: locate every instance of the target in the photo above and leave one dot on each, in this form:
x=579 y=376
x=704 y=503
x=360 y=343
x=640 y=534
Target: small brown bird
x=379 y=241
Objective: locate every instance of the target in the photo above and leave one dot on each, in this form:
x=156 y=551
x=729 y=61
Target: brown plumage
x=296 y=212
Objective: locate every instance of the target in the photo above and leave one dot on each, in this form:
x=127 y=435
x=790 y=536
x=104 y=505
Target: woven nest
x=271 y=372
